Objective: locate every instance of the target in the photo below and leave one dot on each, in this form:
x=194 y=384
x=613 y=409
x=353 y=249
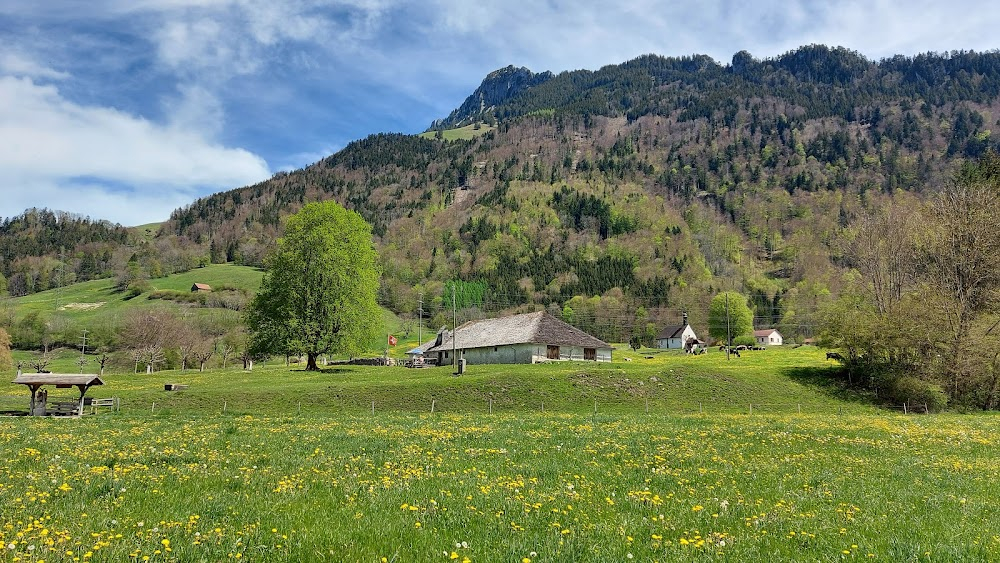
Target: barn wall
x=526 y=354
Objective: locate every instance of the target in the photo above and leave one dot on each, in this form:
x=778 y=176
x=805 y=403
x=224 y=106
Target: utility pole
x=83 y=350
x=454 y=331
x=420 y=320
x=61 y=278
x=729 y=333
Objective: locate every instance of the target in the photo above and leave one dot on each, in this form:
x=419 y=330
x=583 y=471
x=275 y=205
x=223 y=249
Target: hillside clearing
x=461 y=133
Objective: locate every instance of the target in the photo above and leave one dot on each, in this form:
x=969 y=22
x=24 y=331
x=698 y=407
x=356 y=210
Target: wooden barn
x=518 y=339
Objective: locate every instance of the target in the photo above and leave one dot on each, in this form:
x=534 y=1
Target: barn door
x=552 y=352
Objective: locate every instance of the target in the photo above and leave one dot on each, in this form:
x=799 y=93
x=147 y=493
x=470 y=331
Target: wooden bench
x=63 y=408
x=111 y=402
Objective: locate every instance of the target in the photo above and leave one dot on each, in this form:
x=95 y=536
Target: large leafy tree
x=318 y=295
x=732 y=306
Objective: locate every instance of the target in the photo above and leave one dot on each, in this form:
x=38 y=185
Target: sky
x=128 y=109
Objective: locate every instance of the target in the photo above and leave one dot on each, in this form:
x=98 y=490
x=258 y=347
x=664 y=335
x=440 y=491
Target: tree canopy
x=318 y=294
x=734 y=306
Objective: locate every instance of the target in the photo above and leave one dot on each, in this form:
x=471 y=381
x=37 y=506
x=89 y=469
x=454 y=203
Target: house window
x=552 y=352
x=589 y=354
x=446 y=355
x=494 y=348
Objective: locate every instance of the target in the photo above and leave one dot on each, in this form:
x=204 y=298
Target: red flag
x=392 y=340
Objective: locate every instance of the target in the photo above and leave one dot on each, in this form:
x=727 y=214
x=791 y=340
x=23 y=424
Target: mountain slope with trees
x=644 y=187
x=620 y=197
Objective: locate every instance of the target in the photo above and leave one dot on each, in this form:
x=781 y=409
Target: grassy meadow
x=279 y=464
x=502 y=487
x=91 y=300
x=460 y=133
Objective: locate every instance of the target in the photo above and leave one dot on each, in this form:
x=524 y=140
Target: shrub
x=136 y=288
x=744 y=340
x=913 y=391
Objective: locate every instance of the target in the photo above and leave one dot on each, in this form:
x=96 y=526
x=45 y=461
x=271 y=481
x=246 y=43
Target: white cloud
x=18 y=64
x=52 y=150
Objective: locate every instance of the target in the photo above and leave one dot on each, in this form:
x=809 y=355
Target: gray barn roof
x=673 y=331
x=529 y=328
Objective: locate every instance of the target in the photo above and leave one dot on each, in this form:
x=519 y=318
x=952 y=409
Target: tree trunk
x=311 y=362
x=202 y=366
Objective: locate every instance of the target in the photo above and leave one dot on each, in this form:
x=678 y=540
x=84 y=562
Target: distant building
x=677 y=337
x=200 y=287
x=518 y=339
x=768 y=337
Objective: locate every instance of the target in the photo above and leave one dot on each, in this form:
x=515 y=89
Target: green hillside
x=88 y=300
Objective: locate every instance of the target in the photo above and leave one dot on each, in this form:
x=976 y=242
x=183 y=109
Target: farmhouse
x=200 y=287
x=768 y=337
x=518 y=339
x=677 y=336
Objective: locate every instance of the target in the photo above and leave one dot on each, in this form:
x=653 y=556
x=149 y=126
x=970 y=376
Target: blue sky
x=127 y=109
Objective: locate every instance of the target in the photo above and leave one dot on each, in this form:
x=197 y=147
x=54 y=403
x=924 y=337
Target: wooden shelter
x=36 y=381
x=200 y=287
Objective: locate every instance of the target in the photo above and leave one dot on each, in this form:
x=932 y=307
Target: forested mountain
x=41 y=249
x=619 y=197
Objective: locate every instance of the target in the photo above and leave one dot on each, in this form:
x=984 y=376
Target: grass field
x=460 y=133
x=502 y=487
x=774 y=381
x=86 y=301
x=279 y=464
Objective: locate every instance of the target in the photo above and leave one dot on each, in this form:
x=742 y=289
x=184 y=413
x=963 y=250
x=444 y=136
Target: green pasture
x=772 y=381
x=461 y=133
x=91 y=300
x=503 y=463
x=503 y=487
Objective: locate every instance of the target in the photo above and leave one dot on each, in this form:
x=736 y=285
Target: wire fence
x=172 y=403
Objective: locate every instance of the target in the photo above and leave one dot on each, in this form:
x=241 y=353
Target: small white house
x=518 y=339
x=676 y=336
x=768 y=337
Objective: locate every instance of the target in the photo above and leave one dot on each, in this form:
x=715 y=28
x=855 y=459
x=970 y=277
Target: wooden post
x=152 y=409
x=751 y=408
x=491 y=405
x=699 y=408
x=904 y=408
x=224 y=405
x=543 y=406
x=799 y=405
x=595 y=406
x=647 y=405
x=373 y=407
x=926 y=411
x=432 y=405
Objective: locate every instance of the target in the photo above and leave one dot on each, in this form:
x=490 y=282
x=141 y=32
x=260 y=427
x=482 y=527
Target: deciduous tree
x=729 y=316
x=318 y=294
